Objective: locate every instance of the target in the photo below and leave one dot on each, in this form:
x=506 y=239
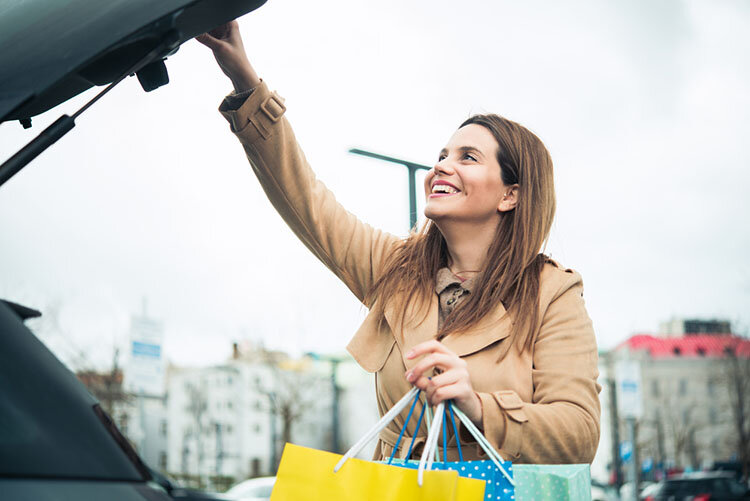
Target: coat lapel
x=490 y=329
x=419 y=328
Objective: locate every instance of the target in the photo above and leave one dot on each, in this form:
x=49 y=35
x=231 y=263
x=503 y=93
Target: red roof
x=697 y=345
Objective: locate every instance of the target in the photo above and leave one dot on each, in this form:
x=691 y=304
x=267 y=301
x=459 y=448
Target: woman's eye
x=470 y=157
x=441 y=157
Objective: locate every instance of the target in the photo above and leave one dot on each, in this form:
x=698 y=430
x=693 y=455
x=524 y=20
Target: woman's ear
x=509 y=200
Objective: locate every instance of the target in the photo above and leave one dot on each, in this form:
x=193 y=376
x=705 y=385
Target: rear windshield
x=50 y=426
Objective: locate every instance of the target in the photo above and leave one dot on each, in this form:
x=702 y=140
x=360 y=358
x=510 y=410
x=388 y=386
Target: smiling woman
x=466 y=308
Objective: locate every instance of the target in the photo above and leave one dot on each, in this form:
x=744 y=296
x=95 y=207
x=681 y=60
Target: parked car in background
x=701 y=486
x=255 y=489
x=649 y=490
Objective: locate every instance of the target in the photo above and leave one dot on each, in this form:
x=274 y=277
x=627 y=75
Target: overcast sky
x=643 y=105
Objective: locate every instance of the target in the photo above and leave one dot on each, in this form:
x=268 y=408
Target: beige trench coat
x=539 y=406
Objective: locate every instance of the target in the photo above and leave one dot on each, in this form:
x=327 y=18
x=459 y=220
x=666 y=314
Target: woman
x=468 y=300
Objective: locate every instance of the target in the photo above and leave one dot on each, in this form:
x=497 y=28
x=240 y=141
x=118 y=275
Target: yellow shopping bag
x=307 y=474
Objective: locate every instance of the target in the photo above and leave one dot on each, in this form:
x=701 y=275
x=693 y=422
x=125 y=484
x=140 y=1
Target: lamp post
x=412 y=167
x=334 y=361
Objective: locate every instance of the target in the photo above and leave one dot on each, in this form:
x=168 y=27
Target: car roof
x=51 y=51
x=697 y=475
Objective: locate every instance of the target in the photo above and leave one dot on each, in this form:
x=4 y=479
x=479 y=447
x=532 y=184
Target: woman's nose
x=442 y=167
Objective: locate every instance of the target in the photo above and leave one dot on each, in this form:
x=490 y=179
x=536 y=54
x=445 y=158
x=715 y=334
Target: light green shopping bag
x=552 y=482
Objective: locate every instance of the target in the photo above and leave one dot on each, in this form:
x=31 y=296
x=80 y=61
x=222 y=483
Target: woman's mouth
x=443 y=189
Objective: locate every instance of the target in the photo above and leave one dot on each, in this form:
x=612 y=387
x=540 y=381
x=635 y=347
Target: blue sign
x=146 y=349
x=647 y=465
x=626 y=451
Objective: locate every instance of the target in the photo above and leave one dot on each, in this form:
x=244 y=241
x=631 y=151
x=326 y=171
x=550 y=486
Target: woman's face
x=465 y=184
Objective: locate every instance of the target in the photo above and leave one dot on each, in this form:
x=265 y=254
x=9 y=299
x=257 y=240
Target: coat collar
x=419 y=328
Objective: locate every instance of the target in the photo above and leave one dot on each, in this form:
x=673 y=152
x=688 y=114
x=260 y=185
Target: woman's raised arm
x=353 y=250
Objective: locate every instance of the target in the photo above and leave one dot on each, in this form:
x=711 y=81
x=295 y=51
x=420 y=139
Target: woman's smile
x=442 y=188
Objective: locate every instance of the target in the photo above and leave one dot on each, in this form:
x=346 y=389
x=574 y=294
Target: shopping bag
x=308 y=474
x=495 y=474
x=553 y=482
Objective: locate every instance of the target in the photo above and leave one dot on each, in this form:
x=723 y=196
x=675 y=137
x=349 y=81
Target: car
x=56 y=441
x=255 y=489
x=700 y=486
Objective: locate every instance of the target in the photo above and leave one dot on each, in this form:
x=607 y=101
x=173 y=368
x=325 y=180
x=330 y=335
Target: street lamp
x=334 y=361
x=413 y=168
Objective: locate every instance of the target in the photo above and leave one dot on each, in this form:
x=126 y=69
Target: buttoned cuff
x=257 y=116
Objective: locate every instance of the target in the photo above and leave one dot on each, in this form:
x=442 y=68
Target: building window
x=229 y=428
x=710 y=387
x=255 y=467
x=229 y=405
x=655 y=387
x=163 y=461
x=713 y=417
x=685 y=417
x=163 y=428
x=683 y=387
x=256 y=429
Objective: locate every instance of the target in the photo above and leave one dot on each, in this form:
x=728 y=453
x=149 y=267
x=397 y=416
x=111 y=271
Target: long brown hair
x=513 y=265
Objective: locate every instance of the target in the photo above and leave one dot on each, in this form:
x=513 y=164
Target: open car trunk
x=52 y=50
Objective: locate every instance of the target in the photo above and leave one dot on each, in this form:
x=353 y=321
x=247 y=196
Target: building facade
x=689 y=395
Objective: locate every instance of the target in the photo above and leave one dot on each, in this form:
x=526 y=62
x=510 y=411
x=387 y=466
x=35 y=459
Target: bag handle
x=419 y=424
x=377 y=428
x=425 y=462
x=494 y=456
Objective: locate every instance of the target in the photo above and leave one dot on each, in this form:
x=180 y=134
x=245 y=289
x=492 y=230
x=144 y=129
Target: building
x=688 y=393
x=231 y=420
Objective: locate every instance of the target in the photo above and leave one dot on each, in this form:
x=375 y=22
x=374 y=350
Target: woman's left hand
x=452 y=383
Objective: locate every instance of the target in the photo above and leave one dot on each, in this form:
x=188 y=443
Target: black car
x=56 y=442
x=704 y=486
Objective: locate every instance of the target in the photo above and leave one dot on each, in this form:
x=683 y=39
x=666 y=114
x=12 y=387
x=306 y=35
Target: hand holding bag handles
x=429 y=452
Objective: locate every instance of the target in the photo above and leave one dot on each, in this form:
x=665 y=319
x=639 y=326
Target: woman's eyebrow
x=463 y=149
x=470 y=149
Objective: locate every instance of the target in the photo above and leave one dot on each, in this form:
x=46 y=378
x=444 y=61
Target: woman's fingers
x=435 y=360
x=226 y=43
x=447 y=379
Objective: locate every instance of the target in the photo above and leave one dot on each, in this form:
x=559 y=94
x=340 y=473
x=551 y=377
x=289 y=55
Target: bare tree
x=290 y=393
x=736 y=374
x=679 y=423
x=197 y=407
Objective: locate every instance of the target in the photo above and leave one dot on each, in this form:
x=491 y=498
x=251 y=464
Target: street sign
x=626 y=451
x=145 y=369
x=629 y=389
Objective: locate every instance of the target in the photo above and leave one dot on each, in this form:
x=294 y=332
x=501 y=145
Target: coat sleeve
x=353 y=250
x=561 y=423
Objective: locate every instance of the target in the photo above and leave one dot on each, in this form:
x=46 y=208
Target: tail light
x=650 y=498
x=702 y=497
